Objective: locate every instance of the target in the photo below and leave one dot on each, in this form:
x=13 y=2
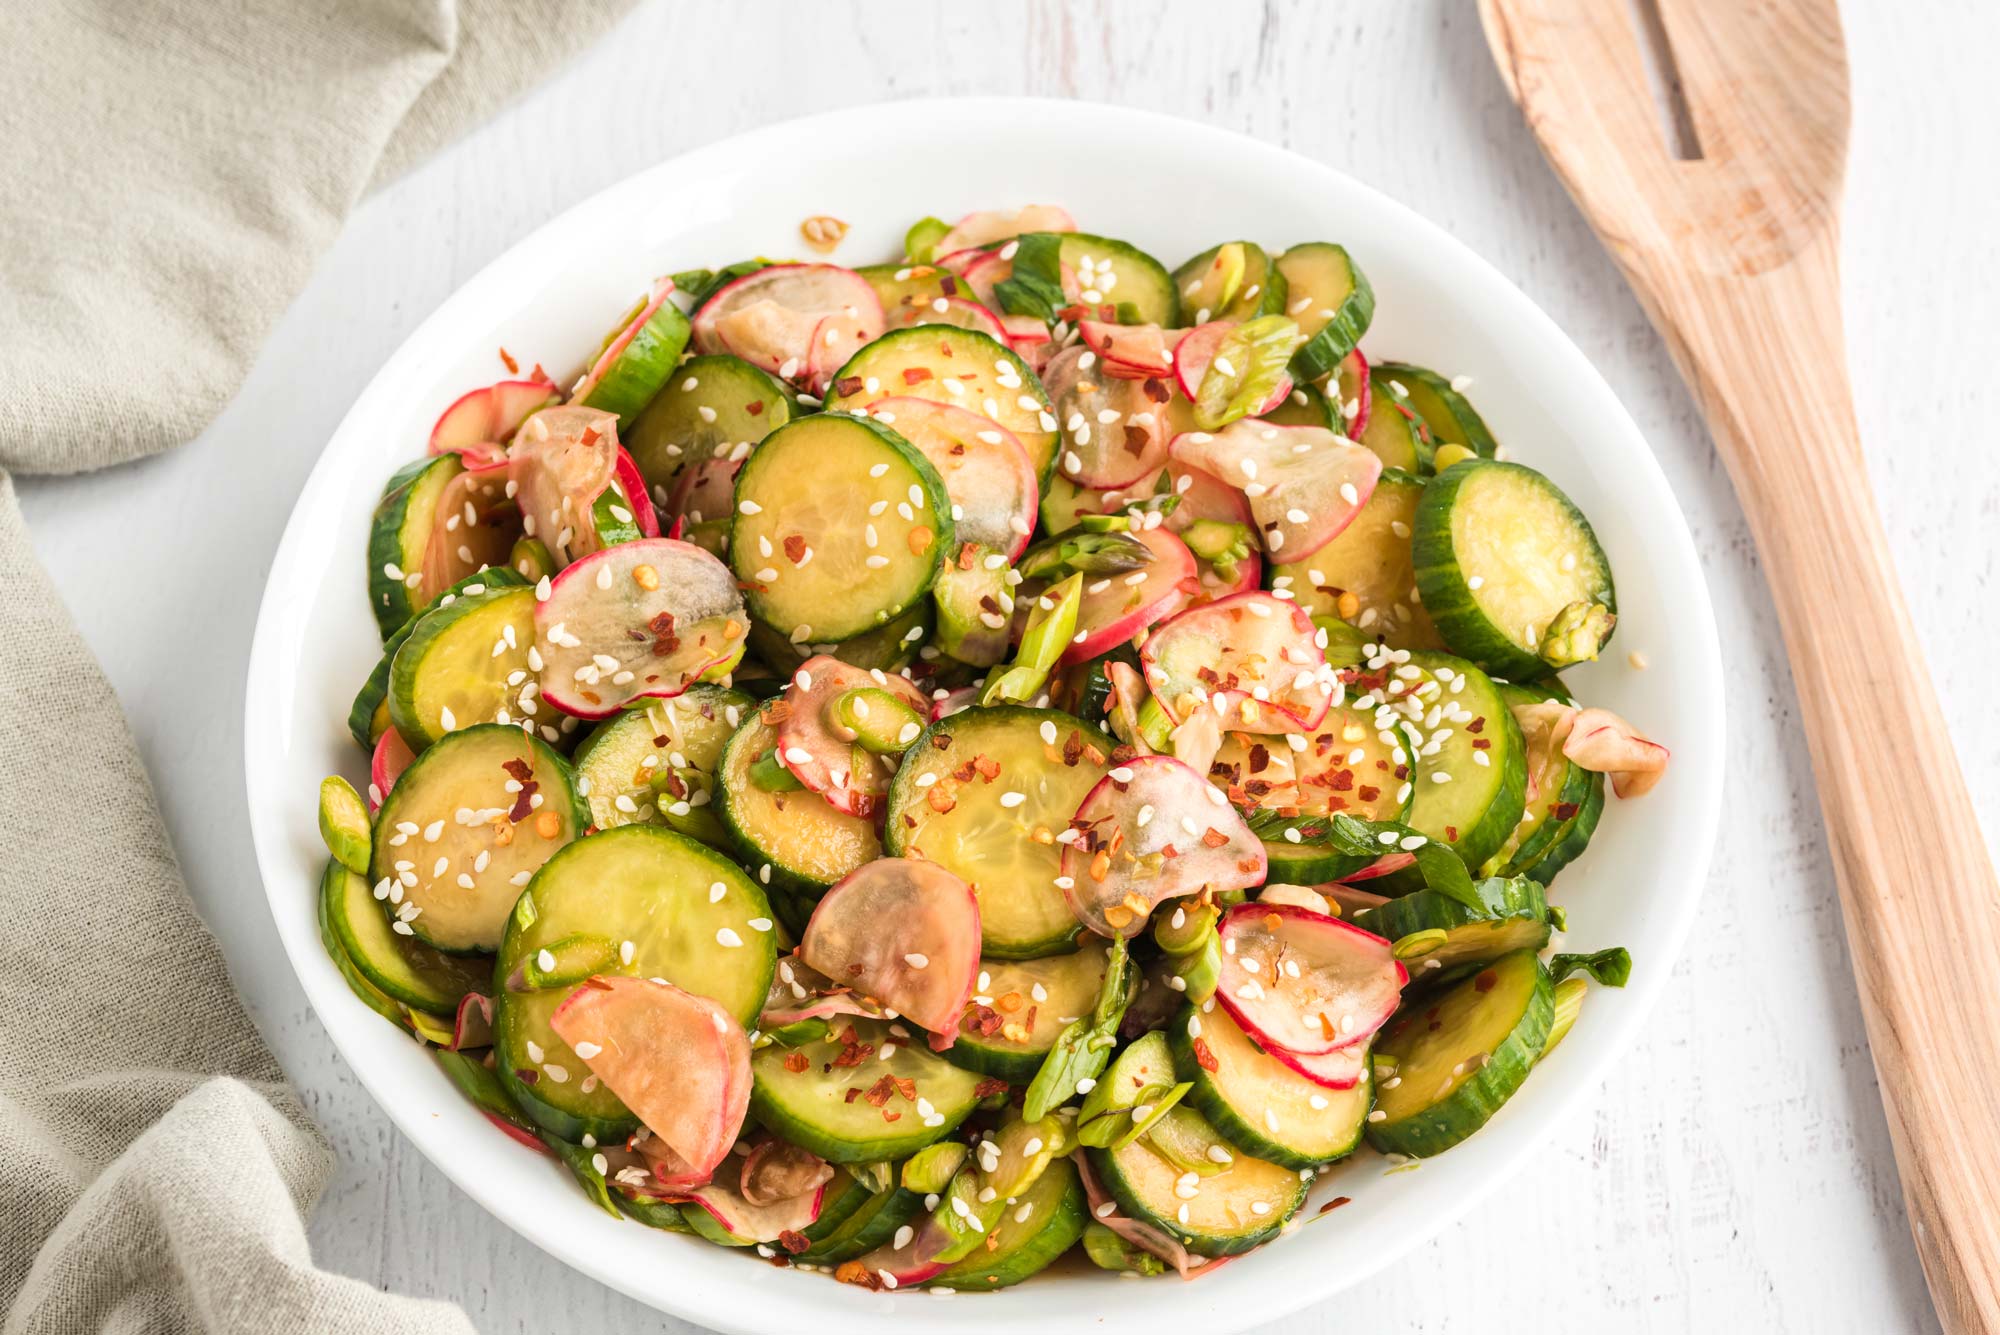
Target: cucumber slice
x=402 y=967
x=1112 y=271
x=712 y=408
x=1034 y=1229
x=840 y=525
x=795 y=840
x=803 y=1093
x=1448 y=416
x=1263 y=1107
x=1434 y=932
x=1365 y=575
x=1461 y=1055
x=1229 y=1212
x=656 y=764
x=645 y=887
x=343 y=823
x=398 y=535
x=368 y=717
x=636 y=358
x=944 y=808
x=463 y=664
x=1330 y=299
x=1483 y=791
x=1499 y=552
x=333 y=889
x=1020 y=1007
x=489 y=804
x=874 y=1223
x=892 y=646
x=1392 y=431
x=955 y=366
x=1232 y=281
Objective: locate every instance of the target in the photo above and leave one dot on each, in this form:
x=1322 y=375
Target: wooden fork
x=1735 y=256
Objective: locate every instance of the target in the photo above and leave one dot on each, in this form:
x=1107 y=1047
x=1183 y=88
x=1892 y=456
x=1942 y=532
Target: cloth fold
x=175 y=169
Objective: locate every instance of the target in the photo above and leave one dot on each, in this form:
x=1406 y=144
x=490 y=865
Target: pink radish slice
x=662 y=289
x=1354 y=369
x=1350 y=900
x=1303 y=981
x=478 y=425
x=905 y=933
x=800 y=992
x=778 y=319
x=893 y=1267
x=472 y=1027
x=518 y=1134
x=984 y=228
x=1028 y=338
x=1117 y=607
x=1131 y=351
x=1204 y=496
x=1252 y=657
x=1304 y=483
x=986 y=469
x=965 y=697
x=641 y=619
x=1333 y=1070
x=1163 y=831
x=1386 y=865
x=961 y=312
x=474 y=527
x=561 y=462
x=677 y=1060
x=1600 y=740
x=762 y=1220
x=391 y=757
x=633 y=484
x=705 y=491
x=848 y=777
x=1099 y=453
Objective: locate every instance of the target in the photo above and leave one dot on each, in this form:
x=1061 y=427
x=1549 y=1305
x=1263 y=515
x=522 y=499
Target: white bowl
x=1173 y=188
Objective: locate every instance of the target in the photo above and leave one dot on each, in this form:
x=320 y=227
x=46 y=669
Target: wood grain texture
x=1736 y=258
x=1735 y=1173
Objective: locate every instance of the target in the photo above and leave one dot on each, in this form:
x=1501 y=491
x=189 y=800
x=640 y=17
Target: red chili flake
x=1136 y=439
x=1260 y=756
x=527 y=1075
x=1402 y=771
x=1122 y=754
x=591 y=436
x=942 y=741
x=507 y=360
x=519 y=769
x=988 y=1087
x=1481 y=743
x=1335 y=1203
x=1476 y=724
x=1485 y=981
x=948 y=284
x=524 y=802
x=793 y=1241
x=916 y=375
x=796 y=1062
x=1368 y=793
x=989 y=768
x=1214 y=838
x=664 y=639
x=1342 y=781
x=1564 y=810
x=881 y=1091
x=755 y=409
x=853 y=1272
x=795 y=548
x=847 y=384
x=1204 y=1057
x=1451 y=834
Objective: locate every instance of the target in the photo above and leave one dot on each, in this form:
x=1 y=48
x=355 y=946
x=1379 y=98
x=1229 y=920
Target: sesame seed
x=727 y=937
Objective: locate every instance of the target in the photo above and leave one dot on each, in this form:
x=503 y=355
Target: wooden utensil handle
x=1765 y=356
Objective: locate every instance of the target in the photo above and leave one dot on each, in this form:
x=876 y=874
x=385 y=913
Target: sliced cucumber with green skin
x=1459 y=1056
x=711 y=407
x=804 y=842
x=663 y=1215
x=334 y=888
x=872 y=1224
x=1332 y=302
x=1558 y=783
x=656 y=763
x=1433 y=933
x=1025 y=1004
x=466 y=808
x=1034 y=1229
x=636 y=359
x=645 y=887
x=927 y=361
x=1393 y=432
x=1263 y=1107
x=343 y=823
x=1574 y=836
x=892 y=646
x=1500 y=550
x=840 y=526
x=1232 y=281
x=464 y=664
x=402 y=967
x=1007 y=853
x=1477 y=805
x=1448 y=416
x=812 y=1107
x=1231 y=1211
x=398 y=535
x=369 y=714
x=1370 y=559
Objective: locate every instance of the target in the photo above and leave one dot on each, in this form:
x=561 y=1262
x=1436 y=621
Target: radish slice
x=472 y=1027
x=520 y=1135
x=893 y=1267
x=776 y=1188
x=851 y=779
x=1205 y=496
x=983 y=229
x=800 y=992
x=1304 y=483
x=1151 y=830
x=705 y=491
x=679 y=1061
x=1303 y=981
x=960 y=312
x=473 y=528
x=662 y=289
x=641 y=619
x=1601 y=741
x=1131 y=351
x=953 y=702
x=478 y=425
x=797 y=321
x=1117 y=607
x=391 y=757
x=1387 y=864
x=1252 y=657
x=633 y=483
x=1028 y=339
x=1353 y=370
x=1106 y=453
x=561 y=462
x=985 y=270
x=905 y=933
x=1196 y=352
x=986 y=469
x=1333 y=1070
x=1351 y=901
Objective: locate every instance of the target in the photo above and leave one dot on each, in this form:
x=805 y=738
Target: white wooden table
x=1735 y=1173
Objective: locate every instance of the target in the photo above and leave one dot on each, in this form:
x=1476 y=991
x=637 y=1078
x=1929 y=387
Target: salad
x=918 y=770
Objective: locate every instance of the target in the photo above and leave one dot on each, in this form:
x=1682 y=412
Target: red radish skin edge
x=515 y=1133
x=1363 y=1028
x=478 y=423
x=1102 y=639
x=636 y=499
x=1364 y=398
x=662 y=289
x=1340 y=1069
x=392 y=755
x=1156 y=677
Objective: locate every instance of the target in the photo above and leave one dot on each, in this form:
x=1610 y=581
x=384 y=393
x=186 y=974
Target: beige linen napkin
x=173 y=170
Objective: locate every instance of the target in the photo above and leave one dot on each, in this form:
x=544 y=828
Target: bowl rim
x=717 y=1302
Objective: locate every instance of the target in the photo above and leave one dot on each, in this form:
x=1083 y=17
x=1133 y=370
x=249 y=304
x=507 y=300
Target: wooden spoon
x=1735 y=256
